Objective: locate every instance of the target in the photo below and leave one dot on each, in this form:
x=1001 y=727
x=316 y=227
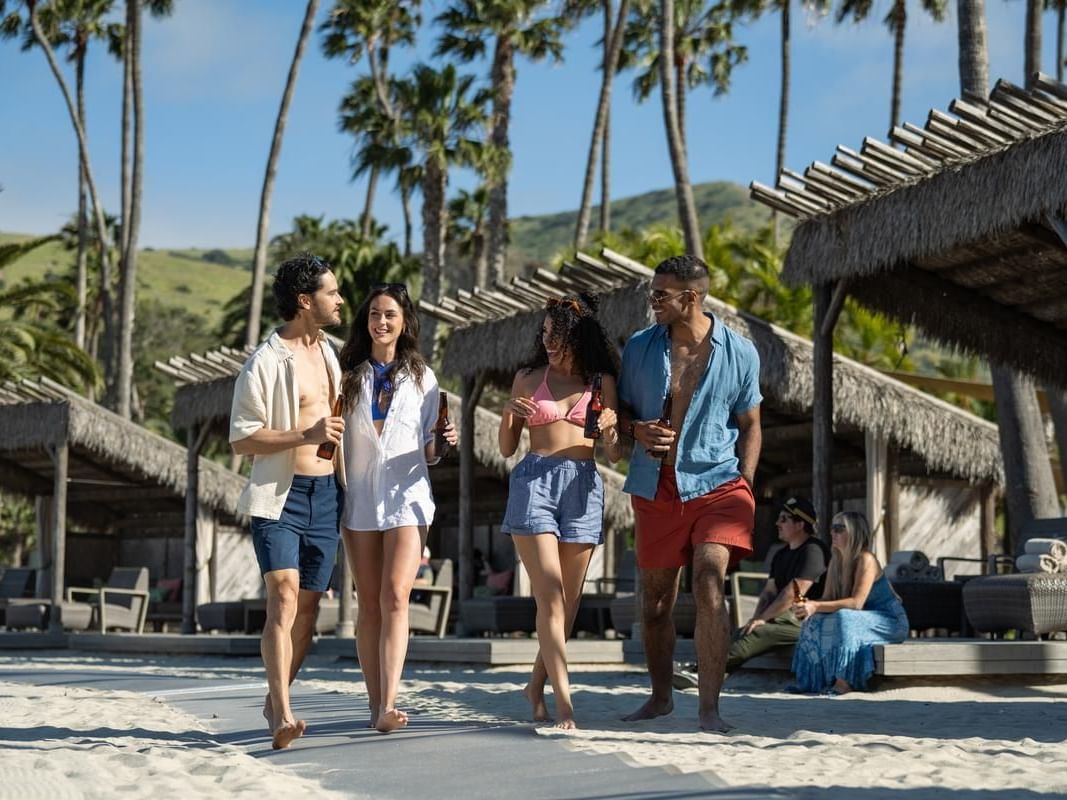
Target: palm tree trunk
x=680 y=90
x=131 y=225
x=1030 y=492
x=1057 y=403
x=480 y=257
x=605 y=137
x=434 y=226
x=783 y=103
x=405 y=204
x=1061 y=12
x=683 y=190
x=82 y=280
x=1032 y=44
x=83 y=154
x=900 y=24
x=612 y=48
x=259 y=259
x=124 y=154
x=366 y=218
x=974 y=53
x=503 y=81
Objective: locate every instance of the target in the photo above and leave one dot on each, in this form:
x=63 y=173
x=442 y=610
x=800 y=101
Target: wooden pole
x=346 y=626
x=892 y=500
x=59 y=535
x=823 y=406
x=988 y=521
x=43 y=508
x=195 y=443
x=472 y=392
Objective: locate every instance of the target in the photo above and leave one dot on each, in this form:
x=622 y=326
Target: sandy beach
x=993 y=737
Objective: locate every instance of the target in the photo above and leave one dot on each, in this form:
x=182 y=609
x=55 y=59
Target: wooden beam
x=823 y=405
x=472 y=392
x=783 y=434
x=988 y=521
x=195 y=438
x=59 y=535
x=892 y=499
x=833 y=312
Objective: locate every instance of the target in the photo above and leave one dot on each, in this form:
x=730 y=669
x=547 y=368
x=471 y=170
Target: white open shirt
x=388 y=478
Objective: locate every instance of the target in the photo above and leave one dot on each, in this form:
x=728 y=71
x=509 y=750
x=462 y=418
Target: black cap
x=801 y=508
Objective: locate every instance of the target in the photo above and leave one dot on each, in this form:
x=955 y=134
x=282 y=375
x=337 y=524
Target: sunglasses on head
x=395 y=287
x=566 y=303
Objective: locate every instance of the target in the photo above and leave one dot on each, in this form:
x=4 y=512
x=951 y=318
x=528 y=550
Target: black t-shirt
x=807 y=562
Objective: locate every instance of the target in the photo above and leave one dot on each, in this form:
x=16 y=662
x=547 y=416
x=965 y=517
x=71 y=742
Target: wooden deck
x=920 y=657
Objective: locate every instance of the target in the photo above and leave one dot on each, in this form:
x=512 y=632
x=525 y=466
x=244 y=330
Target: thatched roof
x=961 y=232
x=118 y=470
x=938 y=438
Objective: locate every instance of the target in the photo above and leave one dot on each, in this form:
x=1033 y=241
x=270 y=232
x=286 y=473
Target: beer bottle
x=440 y=444
x=592 y=413
x=664 y=422
x=327 y=449
x=798 y=596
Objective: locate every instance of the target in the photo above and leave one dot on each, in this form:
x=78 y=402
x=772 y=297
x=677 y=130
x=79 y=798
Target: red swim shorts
x=667 y=529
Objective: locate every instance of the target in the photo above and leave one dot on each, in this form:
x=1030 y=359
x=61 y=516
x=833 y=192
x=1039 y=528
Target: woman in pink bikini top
x=555 y=512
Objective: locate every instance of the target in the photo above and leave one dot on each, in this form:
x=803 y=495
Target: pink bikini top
x=548 y=409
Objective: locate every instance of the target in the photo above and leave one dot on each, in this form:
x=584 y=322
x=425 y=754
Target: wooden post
x=472 y=392
x=823 y=405
x=346 y=626
x=43 y=509
x=195 y=438
x=988 y=521
x=892 y=499
x=876 y=448
x=59 y=535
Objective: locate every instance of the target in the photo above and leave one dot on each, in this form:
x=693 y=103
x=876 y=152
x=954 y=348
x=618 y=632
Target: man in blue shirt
x=691 y=472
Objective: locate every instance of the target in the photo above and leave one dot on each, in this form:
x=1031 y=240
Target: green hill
x=537 y=239
x=198 y=280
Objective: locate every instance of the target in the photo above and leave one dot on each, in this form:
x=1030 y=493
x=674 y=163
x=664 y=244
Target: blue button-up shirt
x=706 y=457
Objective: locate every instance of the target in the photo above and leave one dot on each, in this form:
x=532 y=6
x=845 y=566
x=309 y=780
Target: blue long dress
x=840 y=644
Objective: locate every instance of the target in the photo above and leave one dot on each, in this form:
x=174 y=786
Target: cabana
x=83 y=462
x=934 y=444
x=960 y=231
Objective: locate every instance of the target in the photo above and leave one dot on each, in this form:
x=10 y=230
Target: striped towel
x=1057 y=548
x=1038 y=562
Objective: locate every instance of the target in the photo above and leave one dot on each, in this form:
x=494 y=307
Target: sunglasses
x=394 y=287
x=566 y=303
x=783 y=517
x=839 y=527
x=657 y=296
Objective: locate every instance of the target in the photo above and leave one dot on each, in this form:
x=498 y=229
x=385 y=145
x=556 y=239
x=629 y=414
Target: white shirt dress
x=388 y=478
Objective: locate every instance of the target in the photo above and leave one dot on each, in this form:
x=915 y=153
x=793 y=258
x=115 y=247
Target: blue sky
x=215 y=70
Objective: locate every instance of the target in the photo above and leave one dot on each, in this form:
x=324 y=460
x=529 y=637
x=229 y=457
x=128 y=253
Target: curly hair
x=685 y=268
x=577 y=330
x=298 y=275
x=356 y=353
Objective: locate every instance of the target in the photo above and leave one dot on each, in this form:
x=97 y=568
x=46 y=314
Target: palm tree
x=439 y=110
x=896 y=20
x=467 y=216
x=355 y=28
x=1030 y=490
x=700 y=51
x=516 y=28
x=599 y=143
x=259 y=258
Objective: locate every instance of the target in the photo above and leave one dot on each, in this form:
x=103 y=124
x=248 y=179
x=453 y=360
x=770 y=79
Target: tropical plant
x=515 y=28
x=259 y=259
x=357 y=28
x=439 y=110
x=18 y=530
x=468 y=213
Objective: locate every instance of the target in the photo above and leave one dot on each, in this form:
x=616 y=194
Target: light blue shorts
x=549 y=494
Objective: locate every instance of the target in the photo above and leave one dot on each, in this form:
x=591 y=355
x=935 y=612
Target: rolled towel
x=916 y=559
x=899 y=572
x=1057 y=548
x=1037 y=562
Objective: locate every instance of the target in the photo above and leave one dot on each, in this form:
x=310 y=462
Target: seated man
x=800 y=566
x=802 y=561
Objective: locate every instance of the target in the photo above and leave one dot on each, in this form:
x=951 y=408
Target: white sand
x=1002 y=738
x=67 y=743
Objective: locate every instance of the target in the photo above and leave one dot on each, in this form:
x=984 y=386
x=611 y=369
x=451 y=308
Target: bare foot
x=840 y=687
x=537 y=700
x=268 y=713
x=390 y=720
x=711 y=722
x=286 y=733
x=651 y=709
x=565 y=724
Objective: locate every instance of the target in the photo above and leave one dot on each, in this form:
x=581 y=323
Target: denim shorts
x=549 y=494
x=305 y=536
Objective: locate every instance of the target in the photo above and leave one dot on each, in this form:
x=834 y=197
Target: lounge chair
x=429 y=605
x=122 y=602
x=16 y=582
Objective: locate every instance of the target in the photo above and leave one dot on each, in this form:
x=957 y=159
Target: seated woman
x=859 y=609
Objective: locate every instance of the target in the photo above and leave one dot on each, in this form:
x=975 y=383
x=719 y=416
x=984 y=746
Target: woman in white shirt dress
x=390 y=407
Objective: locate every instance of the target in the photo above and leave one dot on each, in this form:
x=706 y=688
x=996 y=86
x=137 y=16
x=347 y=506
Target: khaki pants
x=782 y=630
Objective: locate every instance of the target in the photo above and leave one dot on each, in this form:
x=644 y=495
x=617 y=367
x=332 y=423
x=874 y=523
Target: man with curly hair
x=282 y=411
